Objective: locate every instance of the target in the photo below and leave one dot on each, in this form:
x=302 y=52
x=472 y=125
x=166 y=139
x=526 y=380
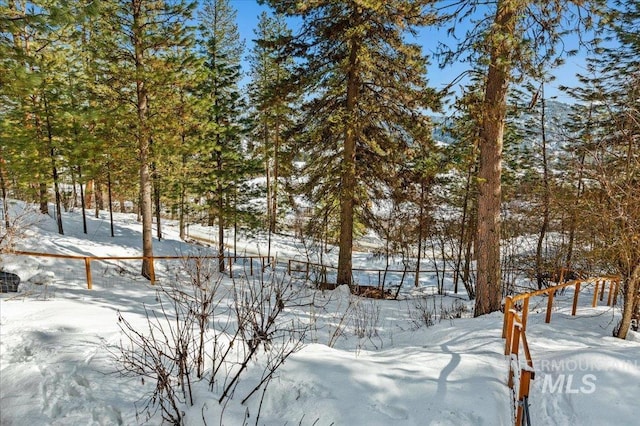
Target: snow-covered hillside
x=363 y=362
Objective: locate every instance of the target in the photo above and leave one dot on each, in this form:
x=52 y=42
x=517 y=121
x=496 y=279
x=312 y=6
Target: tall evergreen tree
x=273 y=103
x=36 y=40
x=366 y=91
x=133 y=42
x=517 y=39
x=221 y=49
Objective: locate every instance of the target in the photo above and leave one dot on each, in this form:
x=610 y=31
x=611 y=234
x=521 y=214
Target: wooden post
x=575 y=299
x=594 y=303
x=609 y=300
x=509 y=335
x=515 y=339
x=602 y=290
x=87 y=267
x=549 y=306
x=525 y=383
x=525 y=313
x=616 y=287
x=505 y=322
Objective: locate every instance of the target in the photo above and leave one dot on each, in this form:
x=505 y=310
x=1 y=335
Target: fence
x=226 y=262
x=380 y=276
x=515 y=326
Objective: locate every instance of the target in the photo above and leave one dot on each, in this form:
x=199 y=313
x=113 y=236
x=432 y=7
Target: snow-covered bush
x=206 y=332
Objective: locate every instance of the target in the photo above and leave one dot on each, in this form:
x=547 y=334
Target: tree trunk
x=467 y=273
x=631 y=296
x=88 y=194
x=488 y=287
x=44 y=198
x=110 y=200
x=545 y=195
x=220 y=200
x=158 y=206
x=54 y=169
x=276 y=165
x=97 y=198
x=82 y=201
x=420 y=234
x=74 y=195
x=463 y=227
x=5 y=204
x=183 y=195
x=156 y=190
x=267 y=171
x=143 y=143
x=348 y=172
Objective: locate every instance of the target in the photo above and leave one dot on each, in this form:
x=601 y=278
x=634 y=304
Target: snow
x=363 y=362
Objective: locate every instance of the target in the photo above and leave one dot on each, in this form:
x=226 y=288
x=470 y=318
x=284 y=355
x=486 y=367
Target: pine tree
x=132 y=42
x=366 y=91
x=220 y=145
x=273 y=105
x=518 y=40
x=35 y=43
x=462 y=157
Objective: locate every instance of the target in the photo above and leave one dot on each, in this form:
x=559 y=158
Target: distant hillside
x=527 y=122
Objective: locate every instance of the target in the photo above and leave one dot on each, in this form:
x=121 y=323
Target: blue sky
x=249 y=10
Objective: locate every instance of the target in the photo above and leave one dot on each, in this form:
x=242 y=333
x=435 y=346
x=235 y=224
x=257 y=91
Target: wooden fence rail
x=229 y=260
x=515 y=326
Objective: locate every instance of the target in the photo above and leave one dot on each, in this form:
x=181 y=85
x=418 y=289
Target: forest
x=154 y=107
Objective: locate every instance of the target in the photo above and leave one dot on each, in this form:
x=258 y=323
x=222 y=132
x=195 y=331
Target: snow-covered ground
x=363 y=362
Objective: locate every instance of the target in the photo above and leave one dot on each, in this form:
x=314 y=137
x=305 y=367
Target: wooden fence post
x=505 y=322
x=549 y=306
x=575 y=299
x=594 y=303
x=87 y=267
x=515 y=339
x=525 y=313
x=609 y=300
x=523 y=392
x=602 y=290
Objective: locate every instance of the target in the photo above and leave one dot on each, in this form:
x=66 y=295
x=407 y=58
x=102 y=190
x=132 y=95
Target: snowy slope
x=57 y=340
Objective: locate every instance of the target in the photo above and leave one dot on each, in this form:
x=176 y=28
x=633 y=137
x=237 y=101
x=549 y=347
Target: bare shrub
x=456 y=310
x=365 y=320
x=423 y=311
x=258 y=306
x=420 y=314
x=202 y=330
x=13 y=227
